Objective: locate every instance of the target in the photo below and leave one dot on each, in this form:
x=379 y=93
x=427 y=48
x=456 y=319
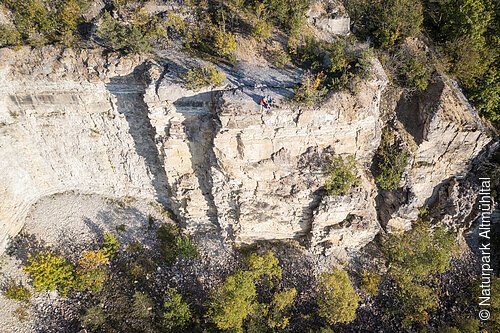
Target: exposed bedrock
x=80 y=121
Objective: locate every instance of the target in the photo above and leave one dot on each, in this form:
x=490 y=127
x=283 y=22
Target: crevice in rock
x=200 y=127
x=129 y=91
x=413 y=111
x=308 y=215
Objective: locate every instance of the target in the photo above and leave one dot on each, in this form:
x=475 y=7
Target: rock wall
x=61 y=129
x=80 y=121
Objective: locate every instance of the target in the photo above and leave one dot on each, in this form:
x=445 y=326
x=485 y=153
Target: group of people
x=266 y=102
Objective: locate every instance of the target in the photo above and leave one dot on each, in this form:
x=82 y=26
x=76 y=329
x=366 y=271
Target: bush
x=94 y=317
x=261 y=30
x=110 y=245
x=234 y=305
x=415 y=75
x=281 y=302
x=50 y=272
x=342 y=175
x=91 y=271
x=234 y=302
x=173 y=244
x=280 y=58
x=121 y=37
x=387 y=22
x=142 y=306
x=370 y=282
x=185 y=247
x=310 y=91
x=177 y=313
x=200 y=77
x=415 y=257
x=339 y=64
x=391 y=161
x=38 y=23
x=9 y=35
x=224 y=44
x=17 y=292
x=337 y=299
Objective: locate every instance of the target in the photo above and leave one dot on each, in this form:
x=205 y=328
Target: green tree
x=387 y=21
x=391 y=161
x=177 y=313
x=110 y=245
x=235 y=307
x=94 y=317
x=370 y=282
x=415 y=258
x=200 y=77
x=17 y=291
x=142 y=306
x=234 y=302
x=50 y=272
x=337 y=299
x=342 y=175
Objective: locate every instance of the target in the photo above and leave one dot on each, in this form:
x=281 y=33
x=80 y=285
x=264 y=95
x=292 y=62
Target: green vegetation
x=39 y=22
x=415 y=258
x=391 y=161
x=200 y=77
x=110 y=245
x=337 y=299
x=342 y=175
x=94 y=317
x=370 y=282
x=332 y=67
x=177 y=313
x=51 y=272
x=310 y=91
x=17 y=292
x=92 y=271
x=121 y=37
x=235 y=305
x=463 y=326
x=173 y=244
x=414 y=74
x=464 y=32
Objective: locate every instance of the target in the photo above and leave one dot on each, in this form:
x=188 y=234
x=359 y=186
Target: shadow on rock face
x=414 y=110
x=129 y=91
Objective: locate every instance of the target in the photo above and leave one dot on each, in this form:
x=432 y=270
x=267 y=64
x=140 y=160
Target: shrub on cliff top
x=200 y=77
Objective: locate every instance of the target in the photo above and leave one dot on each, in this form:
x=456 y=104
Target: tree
x=234 y=301
x=342 y=175
x=50 y=272
x=200 y=77
x=415 y=257
x=94 y=317
x=177 y=313
x=234 y=306
x=387 y=21
x=391 y=161
x=110 y=245
x=337 y=299
x=370 y=282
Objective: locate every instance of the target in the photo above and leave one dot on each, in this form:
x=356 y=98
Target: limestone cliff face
x=447 y=135
x=61 y=129
x=77 y=121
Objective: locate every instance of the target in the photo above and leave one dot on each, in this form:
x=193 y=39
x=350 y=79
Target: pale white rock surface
x=448 y=135
x=126 y=127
